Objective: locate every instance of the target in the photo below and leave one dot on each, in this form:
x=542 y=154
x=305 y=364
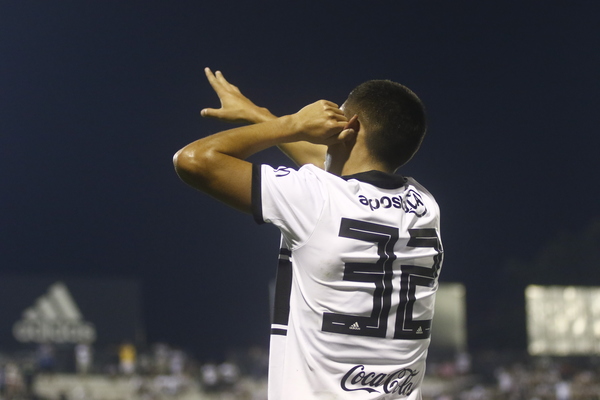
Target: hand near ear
x=348 y=135
x=321 y=122
x=338 y=154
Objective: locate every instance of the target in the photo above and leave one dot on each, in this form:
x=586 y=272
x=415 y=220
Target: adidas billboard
x=54 y=318
x=69 y=311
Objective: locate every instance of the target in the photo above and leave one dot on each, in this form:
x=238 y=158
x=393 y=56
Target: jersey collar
x=380 y=179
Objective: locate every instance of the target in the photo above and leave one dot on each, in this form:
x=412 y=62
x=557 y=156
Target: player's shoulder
x=307 y=174
x=410 y=181
x=314 y=170
x=312 y=173
x=286 y=170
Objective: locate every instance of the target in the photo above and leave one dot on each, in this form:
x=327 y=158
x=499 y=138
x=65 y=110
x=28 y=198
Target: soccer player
x=360 y=252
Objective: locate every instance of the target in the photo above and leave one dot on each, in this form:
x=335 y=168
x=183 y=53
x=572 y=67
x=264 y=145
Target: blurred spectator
x=127 y=356
x=463 y=363
x=229 y=374
x=176 y=362
x=45 y=358
x=161 y=358
x=209 y=377
x=83 y=358
x=258 y=359
x=14 y=387
x=563 y=390
x=505 y=381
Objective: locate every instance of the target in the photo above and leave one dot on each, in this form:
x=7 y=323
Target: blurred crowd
x=166 y=372
x=506 y=376
x=160 y=372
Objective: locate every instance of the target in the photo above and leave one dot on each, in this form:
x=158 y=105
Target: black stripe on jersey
x=280 y=332
x=283 y=290
x=256 y=195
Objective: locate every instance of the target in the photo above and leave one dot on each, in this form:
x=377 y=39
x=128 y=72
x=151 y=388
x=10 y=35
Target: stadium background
x=96 y=97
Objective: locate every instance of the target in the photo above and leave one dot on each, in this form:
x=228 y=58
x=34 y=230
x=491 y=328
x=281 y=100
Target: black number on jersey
x=381 y=275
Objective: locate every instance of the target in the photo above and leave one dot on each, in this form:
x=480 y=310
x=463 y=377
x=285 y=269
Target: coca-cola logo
x=402 y=381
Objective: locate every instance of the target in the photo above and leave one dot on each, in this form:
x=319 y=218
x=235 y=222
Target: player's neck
x=352 y=157
x=356 y=162
x=357 y=166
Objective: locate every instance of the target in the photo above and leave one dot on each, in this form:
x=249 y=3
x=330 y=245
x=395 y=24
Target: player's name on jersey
x=411 y=202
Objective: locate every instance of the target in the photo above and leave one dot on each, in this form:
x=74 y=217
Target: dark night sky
x=96 y=96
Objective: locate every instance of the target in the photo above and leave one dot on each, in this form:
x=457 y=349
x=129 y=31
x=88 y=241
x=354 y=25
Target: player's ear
x=347 y=136
x=353 y=124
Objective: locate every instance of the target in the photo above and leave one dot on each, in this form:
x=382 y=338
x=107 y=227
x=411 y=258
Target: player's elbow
x=193 y=166
x=182 y=161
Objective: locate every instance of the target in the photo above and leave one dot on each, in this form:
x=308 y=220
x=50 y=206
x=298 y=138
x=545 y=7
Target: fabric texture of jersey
x=358 y=271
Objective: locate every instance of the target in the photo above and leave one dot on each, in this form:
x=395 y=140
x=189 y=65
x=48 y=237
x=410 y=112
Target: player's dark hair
x=394 y=118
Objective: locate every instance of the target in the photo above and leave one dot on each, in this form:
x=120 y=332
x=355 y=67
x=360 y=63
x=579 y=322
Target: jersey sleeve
x=289 y=199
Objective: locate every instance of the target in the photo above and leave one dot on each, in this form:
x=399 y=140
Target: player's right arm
x=235 y=107
x=217 y=166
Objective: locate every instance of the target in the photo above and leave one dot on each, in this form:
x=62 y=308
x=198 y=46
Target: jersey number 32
x=381 y=274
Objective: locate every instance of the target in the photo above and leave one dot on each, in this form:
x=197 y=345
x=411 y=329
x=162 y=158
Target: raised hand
x=322 y=122
x=235 y=107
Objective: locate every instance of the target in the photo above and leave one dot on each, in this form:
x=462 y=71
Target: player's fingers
x=339 y=117
x=210 y=113
x=343 y=137
x=212 y=79
x=346 y=135
x=330 y=104
x=225 y=83
x=351 y=121
x=209 y=74
x=334 y=110
x=220 y=77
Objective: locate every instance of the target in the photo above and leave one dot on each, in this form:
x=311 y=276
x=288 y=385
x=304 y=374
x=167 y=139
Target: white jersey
x=356 y=282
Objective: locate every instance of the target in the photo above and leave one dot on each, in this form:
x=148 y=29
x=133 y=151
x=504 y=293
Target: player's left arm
x=216 y=164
